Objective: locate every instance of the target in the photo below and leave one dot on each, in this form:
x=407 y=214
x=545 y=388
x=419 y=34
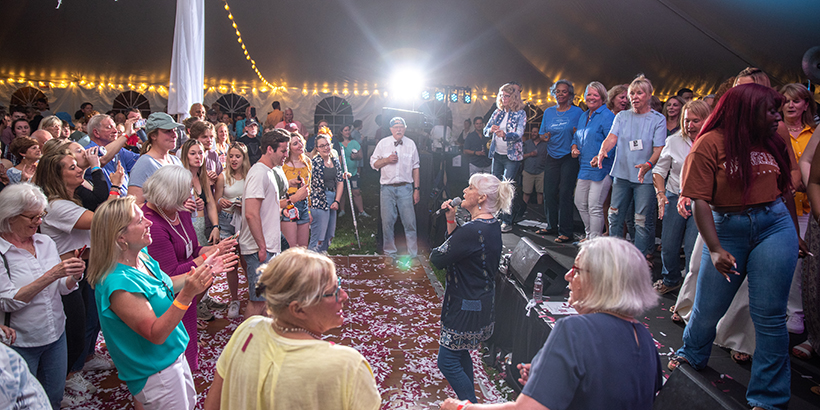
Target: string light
x=245 y=50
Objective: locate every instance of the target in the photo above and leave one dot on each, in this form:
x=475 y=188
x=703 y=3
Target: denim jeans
x=589 y=199
x=677 y=232
x=252 y=274
x=560 y=175
x=397 y=201
x=643 y=197
x=49 y=364
x=504 y=168
x=763 y=240
x=323 y=227
x=457 y=368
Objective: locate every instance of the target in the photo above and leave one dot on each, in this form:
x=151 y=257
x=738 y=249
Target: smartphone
x=253 y=112
x=140 y=123
x=301 y=181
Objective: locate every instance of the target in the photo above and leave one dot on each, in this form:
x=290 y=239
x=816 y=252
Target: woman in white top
x=229 y=192
x=677 y=230
x=32 y=278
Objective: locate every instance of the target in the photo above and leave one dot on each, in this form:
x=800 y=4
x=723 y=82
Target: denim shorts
x=226 y=229
x=253 y=274
x=354 y=181
x=304 y=216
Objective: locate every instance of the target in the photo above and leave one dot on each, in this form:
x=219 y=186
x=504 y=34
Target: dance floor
x=392 y=318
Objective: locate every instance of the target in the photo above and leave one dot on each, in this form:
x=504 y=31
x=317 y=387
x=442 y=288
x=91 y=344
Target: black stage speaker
x=528 y=259
x=690 y=390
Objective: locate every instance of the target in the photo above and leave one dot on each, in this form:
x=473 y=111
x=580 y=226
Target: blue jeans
x=643 y=197
x=504 y=168
x=560 y=176
x=323 y=227
x=398 y=201
x=763 y=240
x=677 y=232
x=457 y=368
x=49 y=363
x=252 y=274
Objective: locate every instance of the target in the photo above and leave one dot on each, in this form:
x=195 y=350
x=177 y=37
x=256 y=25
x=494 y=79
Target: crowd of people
x=122 y=225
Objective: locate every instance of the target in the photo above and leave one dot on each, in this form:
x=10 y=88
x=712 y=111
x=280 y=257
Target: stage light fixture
x=406 y=83
x=425 y=95
x=454 y=96
x=467 y=97
x=440 y=96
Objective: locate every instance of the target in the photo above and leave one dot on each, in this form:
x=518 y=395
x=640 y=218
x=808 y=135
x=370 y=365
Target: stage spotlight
x=467 y=98
x=440 y=96
x=406 y=83
x=425 y=95
x=454 y=96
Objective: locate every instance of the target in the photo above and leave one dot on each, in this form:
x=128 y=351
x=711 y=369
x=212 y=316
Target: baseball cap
x=160 y=120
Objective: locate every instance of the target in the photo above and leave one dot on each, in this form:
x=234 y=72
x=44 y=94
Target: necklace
x=294 y=330
x=797 y=128
x=189 y=246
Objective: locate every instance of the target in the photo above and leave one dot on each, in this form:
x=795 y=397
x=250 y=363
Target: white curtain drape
x=188 y=58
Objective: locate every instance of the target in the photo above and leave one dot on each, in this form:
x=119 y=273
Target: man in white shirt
x=259 y=237
x=397 y=159
x=289 y=120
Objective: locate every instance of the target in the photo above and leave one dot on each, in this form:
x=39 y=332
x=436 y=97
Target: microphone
x=454 y=203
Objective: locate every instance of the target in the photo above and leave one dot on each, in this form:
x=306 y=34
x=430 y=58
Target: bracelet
x=650 y=164
x=461 y=405
x=451 y=222
x=415 y=188
x=181 y=306
x=114 y=192
x=116 y=186
x=95 y=168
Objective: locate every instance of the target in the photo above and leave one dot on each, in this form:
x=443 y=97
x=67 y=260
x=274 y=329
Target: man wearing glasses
x=397 y=160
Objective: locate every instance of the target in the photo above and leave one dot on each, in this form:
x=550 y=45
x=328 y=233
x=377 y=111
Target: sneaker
x=794 y=323
x=506 y=228
x=98 y=363
x=212 y=304
x=364 y=214
x=203 y=313
x=233 y=309
x=78 y=384
x=341 y=214
x=71 y=399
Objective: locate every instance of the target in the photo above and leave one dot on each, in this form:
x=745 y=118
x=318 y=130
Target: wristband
x=114 y=192
x=451 y=222
x=116 y=186
x=95 y=168
x=463 y=404
x=415 y=188
x=650 y=164
x=180 y=305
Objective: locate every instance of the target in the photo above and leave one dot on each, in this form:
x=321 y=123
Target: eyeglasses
x=322 y=146
x=35 y=217
x=335 y=292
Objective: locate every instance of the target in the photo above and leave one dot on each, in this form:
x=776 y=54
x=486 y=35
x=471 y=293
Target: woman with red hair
x=738 y=177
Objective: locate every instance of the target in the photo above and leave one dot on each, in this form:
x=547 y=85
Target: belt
x=398 y=184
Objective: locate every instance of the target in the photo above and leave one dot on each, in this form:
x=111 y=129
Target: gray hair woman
x=304 y=297
x=609 y=285
x=470 y=254
x=32 y=278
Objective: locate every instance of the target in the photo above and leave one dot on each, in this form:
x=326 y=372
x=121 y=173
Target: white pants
x=170 y=388
x=589 y=199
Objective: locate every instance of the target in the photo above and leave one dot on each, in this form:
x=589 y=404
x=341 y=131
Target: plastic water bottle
x=538 y=289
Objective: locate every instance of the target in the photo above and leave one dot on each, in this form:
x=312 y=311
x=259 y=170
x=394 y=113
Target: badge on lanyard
x=636 y=145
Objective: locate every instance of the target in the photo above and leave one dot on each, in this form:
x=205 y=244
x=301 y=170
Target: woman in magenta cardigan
x=174 y=244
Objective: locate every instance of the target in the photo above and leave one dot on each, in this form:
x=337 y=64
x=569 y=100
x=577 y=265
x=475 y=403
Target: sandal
x=562 y=239
x=544 y=231
x=201 y=325
x=675 y=361
x=675 y=316
x=803 y=351
x=740 y=358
